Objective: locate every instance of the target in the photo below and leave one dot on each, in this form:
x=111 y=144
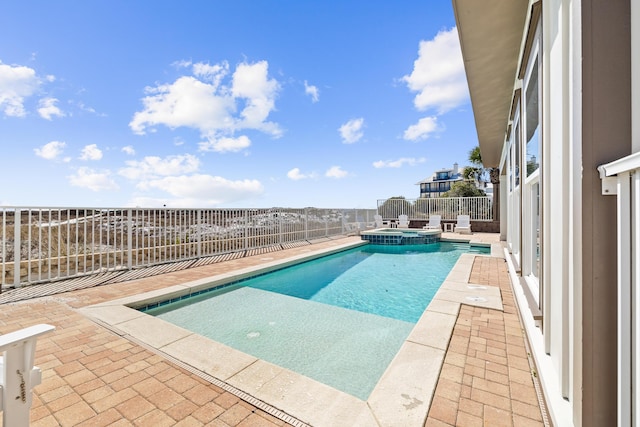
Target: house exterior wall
x=585 y=122
x=606 y=136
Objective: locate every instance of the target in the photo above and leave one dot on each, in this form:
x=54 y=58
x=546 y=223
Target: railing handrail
x=478 y=208
x=41 y=245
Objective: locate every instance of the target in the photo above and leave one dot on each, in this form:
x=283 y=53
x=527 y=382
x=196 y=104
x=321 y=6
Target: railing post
x=18 y=376
x=17 y=253
x=129 y=239
x=199 y=232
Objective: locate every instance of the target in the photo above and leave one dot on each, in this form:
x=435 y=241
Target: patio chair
x=463 y=225
x=403 y=221
x=434 y=223
x=378 y=220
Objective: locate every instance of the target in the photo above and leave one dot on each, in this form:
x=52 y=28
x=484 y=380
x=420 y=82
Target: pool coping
x=402 y=396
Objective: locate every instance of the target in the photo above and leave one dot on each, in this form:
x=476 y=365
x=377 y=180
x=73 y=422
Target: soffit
x=491 y=34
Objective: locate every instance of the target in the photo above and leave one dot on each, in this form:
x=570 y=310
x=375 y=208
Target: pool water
x=339 y=319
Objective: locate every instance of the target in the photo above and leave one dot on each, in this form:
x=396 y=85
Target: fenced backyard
x=43 y=245
x=478 y=208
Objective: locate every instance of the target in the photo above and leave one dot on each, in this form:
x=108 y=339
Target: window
x=516 y=145
x=532 y=123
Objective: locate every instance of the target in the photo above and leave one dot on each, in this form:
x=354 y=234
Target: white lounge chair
x=403 y=221
x=463 y=225
x=378 y=220
x=434 y=223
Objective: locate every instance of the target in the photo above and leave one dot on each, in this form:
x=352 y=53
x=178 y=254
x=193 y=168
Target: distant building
x=440 y=182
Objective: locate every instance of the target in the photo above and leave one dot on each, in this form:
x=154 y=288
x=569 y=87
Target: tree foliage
x=464 y=189
x=391 y=208
x=476 y=171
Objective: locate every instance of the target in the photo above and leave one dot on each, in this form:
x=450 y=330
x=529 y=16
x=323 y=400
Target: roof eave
x=490 y=33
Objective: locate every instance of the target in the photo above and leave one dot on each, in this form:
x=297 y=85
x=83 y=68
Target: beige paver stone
x=135 y=407
x=444 y=410
x=165 y=398
x=48 y=421
x=520 y=421
x=128 y=380
x=468 y=420
x=97 y=394
x=182 y=410
x=148 y=386
x=201 y=394
x=523 y=393
x=80 y=377
x=448 y=389
x=490 y=386
x=497 y=417
x=526 y=410
x=189 y=422
x=226 y=400
x=105 y=419
x=89 y=386
x=255 y=420
x=208 y=412
x=74 y=414
x=155 y=418
x=432 y=422
x=452 y=372
x=234 y=415
x=113 y=400
x=490 y=399
x=182 y=383
x=57 y=393
x=496 y=377
x=63 y=402
x=470 y=407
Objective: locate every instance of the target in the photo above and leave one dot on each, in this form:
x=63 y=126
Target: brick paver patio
x=486 y=378
x=92 y=377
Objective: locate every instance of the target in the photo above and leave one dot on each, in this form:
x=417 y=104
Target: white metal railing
x=622 y=178
x=39 y=245
x=478 y=208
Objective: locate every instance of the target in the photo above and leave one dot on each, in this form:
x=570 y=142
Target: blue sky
x=228 y=103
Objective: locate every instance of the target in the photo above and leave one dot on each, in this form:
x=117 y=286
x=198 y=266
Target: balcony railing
x=478 y=208
x=40 y=245
x=622 y=179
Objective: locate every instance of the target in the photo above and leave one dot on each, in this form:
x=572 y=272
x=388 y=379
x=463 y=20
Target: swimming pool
x=339 y=319
x=402 y=396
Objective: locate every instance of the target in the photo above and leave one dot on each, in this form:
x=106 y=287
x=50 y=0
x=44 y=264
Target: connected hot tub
x=395 y=236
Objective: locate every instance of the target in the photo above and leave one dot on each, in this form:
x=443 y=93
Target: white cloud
x=187 y=102
x=352 y=131
x=93 y=180
x=312 y=91
x=47 y=108
x=423 y=129
x=204 y=103
x=410 y=161
x=16 y=84
x=51 y=150
x=438 y=74
x=91 y=152
x=128 y=150
x=250 y=82
x=153 y=167
x=211 y=73
x=222 y=145
x=336 y=172
x=295 y=174
x=205 y=189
